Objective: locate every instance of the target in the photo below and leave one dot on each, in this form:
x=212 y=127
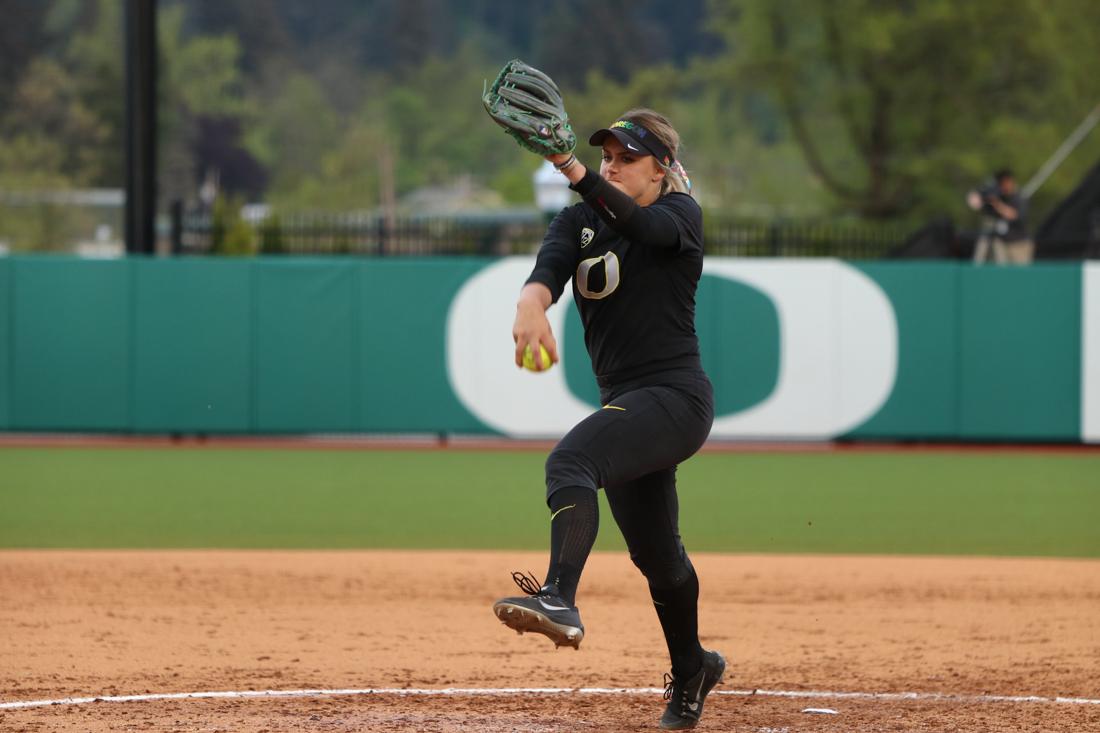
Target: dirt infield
x=120 y=623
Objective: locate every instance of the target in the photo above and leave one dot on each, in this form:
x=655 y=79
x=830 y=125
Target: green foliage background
x=788 y=108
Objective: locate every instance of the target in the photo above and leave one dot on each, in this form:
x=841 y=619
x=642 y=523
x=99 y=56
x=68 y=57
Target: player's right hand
x=532 y=328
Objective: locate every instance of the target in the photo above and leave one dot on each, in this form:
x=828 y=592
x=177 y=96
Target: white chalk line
x=506 y=691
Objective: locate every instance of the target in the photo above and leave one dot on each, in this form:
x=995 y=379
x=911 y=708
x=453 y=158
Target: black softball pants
x=631 y=448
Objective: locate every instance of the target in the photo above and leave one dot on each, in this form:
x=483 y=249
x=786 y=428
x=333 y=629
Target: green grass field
x=1027 y=504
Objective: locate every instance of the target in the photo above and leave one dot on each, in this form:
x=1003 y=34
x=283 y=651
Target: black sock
x=574 y=522
x=678 y=610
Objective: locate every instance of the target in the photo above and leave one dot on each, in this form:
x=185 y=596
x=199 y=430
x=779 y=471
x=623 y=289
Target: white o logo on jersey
x=611 y=276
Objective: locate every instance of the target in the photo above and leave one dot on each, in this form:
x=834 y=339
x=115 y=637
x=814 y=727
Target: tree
x=94 y=58
x=202 y=111
x=614 y=39
x=22 y=35
x=297 y=128
x=897 y=107
x=53 y=128
x=259 y=27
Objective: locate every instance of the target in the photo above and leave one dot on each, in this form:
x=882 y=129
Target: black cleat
x=543 y=611
x=685 y=696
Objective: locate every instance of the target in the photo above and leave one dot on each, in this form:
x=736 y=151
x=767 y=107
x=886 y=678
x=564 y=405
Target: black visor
x=635 y=138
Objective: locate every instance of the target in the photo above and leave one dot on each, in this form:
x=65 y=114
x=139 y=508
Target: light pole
x=141 y=125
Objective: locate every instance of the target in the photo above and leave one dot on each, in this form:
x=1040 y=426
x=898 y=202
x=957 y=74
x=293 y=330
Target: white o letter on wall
x=480 y=358
x=837 y=365
x=1090 y=352
x=838 y=348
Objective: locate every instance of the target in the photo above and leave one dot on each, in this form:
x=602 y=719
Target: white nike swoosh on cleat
x=548 y=607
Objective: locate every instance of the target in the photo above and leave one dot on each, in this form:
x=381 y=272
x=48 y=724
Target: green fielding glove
x=527 y=104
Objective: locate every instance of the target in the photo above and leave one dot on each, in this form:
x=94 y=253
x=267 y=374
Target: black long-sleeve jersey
x=635 y=271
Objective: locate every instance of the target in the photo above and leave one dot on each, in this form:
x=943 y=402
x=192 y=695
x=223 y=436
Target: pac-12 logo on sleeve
x=587 y=235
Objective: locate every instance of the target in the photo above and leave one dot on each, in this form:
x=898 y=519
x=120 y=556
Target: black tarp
x=938 y=240
x=1072 y=230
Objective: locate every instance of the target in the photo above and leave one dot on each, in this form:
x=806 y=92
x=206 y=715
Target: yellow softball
x=529 y=359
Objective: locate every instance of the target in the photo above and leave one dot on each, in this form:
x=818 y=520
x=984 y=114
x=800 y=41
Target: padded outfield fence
x=798 y=349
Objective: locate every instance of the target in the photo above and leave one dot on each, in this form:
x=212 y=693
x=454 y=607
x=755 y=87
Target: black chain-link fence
x=801 y=239
x=338 y=234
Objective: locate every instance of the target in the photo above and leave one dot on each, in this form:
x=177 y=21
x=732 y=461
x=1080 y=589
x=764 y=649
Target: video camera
x=987 y=191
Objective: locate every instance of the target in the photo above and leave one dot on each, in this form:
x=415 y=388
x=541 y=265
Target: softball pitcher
x=634 y=251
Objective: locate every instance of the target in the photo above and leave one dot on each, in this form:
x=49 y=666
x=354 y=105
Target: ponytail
x=676 y=178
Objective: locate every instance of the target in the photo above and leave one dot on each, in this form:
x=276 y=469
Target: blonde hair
x=676 y=178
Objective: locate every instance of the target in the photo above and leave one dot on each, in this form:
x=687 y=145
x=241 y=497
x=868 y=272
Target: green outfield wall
x=797 y=349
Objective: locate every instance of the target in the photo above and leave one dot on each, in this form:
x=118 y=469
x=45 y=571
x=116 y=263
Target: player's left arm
x=660 y=224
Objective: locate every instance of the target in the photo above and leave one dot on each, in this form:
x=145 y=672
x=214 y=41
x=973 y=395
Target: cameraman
x=1004 y=222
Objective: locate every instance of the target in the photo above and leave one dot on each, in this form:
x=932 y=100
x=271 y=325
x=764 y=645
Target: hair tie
x=676 y=166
